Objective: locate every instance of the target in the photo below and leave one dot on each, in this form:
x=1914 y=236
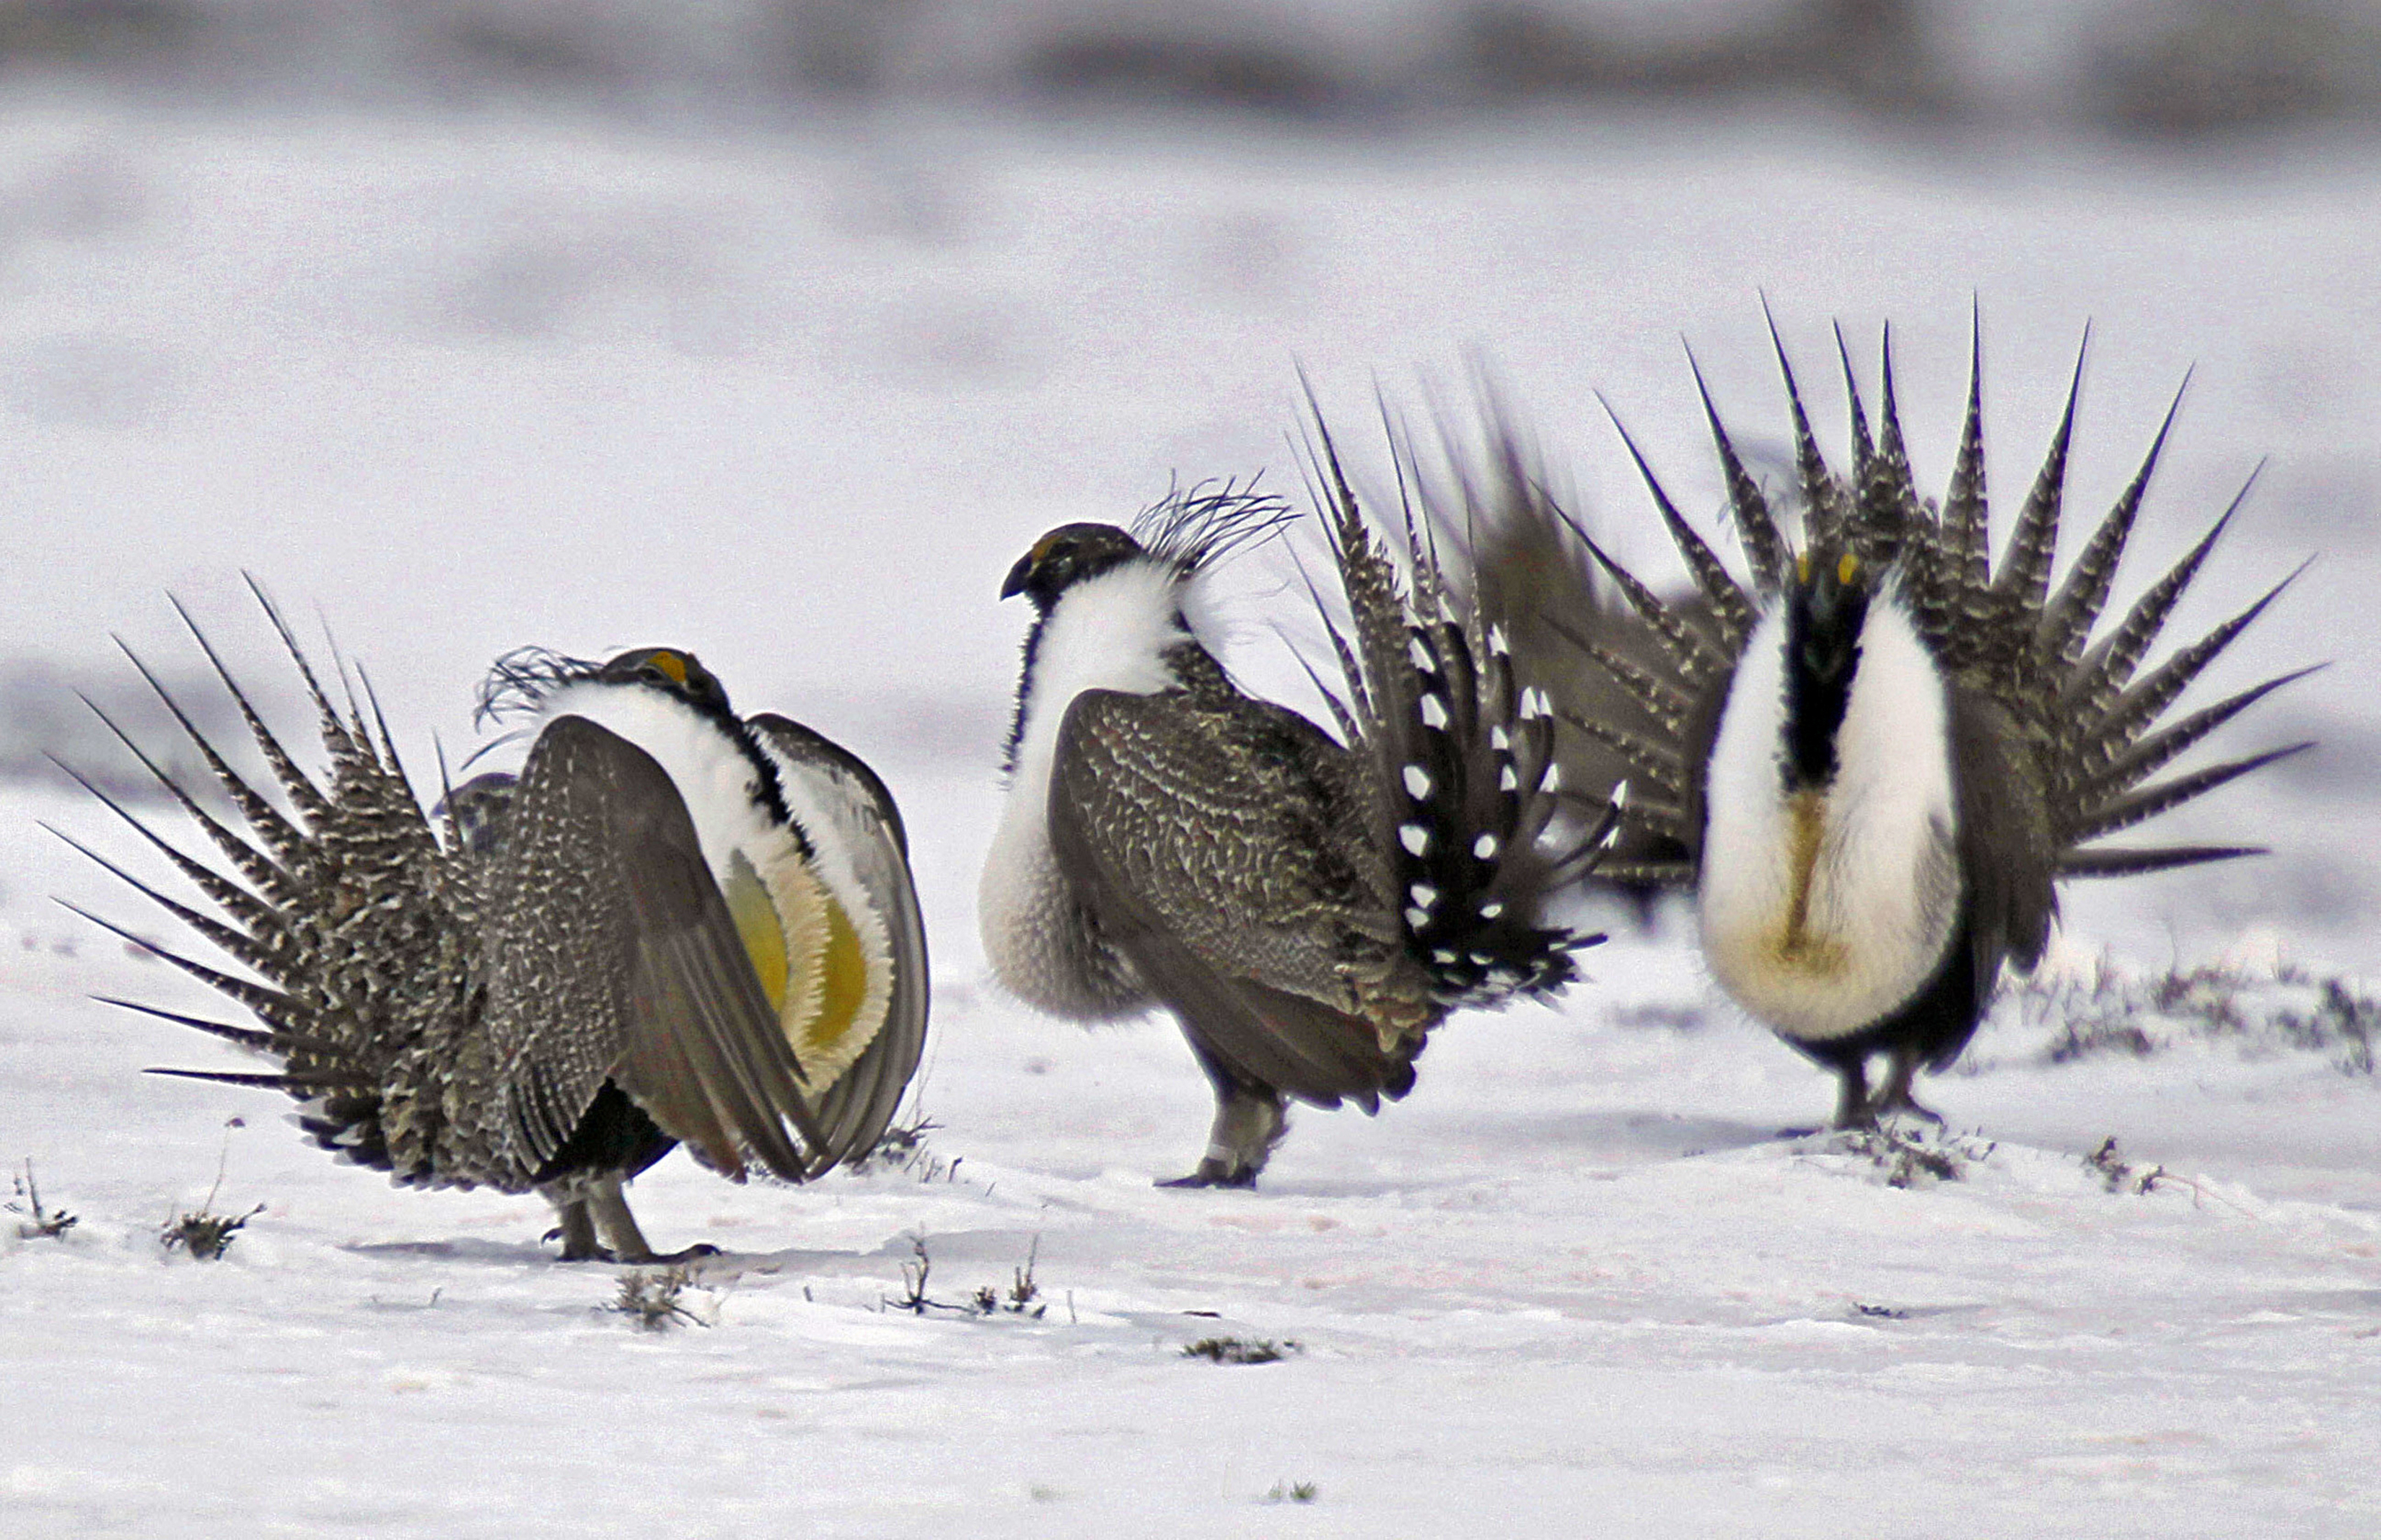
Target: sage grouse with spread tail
x=673 y=926
x=1308 y=909
x=1879 y=759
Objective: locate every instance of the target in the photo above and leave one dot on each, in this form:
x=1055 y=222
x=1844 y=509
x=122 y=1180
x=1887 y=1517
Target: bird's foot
x=1904 y=1105
x=694 y=1252
x=573 y=1253
x=1216 y=1173
x=596 y=1252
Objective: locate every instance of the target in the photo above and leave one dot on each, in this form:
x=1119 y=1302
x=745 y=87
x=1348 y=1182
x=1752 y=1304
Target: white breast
x=1109 y=632
x=1823 y=914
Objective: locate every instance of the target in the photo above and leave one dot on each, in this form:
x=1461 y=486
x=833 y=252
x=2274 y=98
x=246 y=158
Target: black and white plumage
x=673 y=926
x=1308 y=907
x=1873 y=762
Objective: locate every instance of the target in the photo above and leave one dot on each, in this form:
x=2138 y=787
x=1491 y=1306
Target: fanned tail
x=1621 y=668
x=1467 y=789
x=344 y=908
x=2099 y=731
x=1636 y=683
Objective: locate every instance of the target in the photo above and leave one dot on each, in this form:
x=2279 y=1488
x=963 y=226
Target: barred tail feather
x=2149 y=755
x=2033 y=544
x=287 y=843
x=270 y=1006
x=262 y=922
x=1892 y=477
x=1730 y=605
x=309 y=900
x=1462 y=750
x=1756 y=528
x=2069 y=617
x=2138 y=863
x=1652 y=694
x=2107 y=665
x=309 y=800
x=2148 y=803
x=1965 y=522
x=229 y=939
x=1823 y=509
x=275 y=882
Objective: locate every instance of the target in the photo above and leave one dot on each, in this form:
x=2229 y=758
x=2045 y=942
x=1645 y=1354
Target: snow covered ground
x=794 y=401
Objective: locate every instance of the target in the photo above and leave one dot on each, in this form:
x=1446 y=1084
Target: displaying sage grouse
x=1309 y=908
x=673 y=926
x=1873 y=765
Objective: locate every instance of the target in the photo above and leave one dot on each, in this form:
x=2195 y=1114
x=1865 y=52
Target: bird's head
x=1069 y=554
x=520 y=682
x=1827 y=608
x=1826 y=603
x=672 y=668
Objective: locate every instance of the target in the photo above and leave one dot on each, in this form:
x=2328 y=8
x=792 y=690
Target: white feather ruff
x=1108 y=633
x=1884 y=885
x=720 y=787
x=716 y=781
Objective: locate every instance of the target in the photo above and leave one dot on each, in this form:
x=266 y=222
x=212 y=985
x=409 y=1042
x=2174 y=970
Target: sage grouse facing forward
x=1308 y=909
x=675 y=925
x=1879 y=759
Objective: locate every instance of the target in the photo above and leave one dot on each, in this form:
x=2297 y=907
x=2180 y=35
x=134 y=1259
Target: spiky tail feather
x=1461 y=758
x=2003 y=632
x=347 y=909
x=2006 y=632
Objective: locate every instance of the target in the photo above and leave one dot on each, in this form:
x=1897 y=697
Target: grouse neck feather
x=1116 y=631
x=731 y=790
x=1824 y=906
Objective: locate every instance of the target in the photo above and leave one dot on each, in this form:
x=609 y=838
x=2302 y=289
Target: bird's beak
x=1019 y=575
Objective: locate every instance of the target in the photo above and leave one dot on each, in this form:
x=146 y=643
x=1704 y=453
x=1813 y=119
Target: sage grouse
x=1873 y=765
x=1308 y=909
x=675 y=925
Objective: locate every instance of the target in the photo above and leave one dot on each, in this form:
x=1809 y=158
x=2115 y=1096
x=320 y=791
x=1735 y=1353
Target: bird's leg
x=1894 y=1096
x=610 y=1206
x=1249 y=1120
x=1852 y=1108
x=596 y=1225
x=577 y=1230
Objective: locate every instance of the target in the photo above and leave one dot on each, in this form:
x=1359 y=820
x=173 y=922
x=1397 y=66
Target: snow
x=796 y=400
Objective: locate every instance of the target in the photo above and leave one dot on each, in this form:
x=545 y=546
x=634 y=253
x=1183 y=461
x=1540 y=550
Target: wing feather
x=611 y=956
x=1201 y=842
x=854 y=1111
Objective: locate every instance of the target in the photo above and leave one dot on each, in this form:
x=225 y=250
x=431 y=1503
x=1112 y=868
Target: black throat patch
x=1823 y=627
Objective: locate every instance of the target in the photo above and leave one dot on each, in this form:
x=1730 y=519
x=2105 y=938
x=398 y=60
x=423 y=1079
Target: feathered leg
x=577 y=1230
x=609 y=1208
x=597 y=1227
x=1250 y=1120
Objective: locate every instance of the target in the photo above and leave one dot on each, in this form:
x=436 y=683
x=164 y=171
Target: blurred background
x=776 y=329
x=2134 y=68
